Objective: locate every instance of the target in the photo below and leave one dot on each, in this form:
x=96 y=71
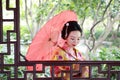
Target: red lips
x=73 y=45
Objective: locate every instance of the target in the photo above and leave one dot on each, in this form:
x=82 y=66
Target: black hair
x=68 y=27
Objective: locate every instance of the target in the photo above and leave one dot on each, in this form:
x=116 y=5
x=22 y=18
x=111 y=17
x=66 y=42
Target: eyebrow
x=74 y=36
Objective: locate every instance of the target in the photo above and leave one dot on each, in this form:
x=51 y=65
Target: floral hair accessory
x=67 y=24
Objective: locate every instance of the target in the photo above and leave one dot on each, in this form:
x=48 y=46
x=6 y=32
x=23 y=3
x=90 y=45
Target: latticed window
x=15 y=67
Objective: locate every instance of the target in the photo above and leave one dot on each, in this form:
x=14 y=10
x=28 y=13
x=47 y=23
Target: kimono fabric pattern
x=60 y=55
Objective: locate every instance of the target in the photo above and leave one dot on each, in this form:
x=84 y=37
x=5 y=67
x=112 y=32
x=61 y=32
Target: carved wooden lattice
x=10 y=47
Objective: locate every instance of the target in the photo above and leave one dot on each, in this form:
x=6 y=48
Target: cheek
x=78 y=41
x=70 y=41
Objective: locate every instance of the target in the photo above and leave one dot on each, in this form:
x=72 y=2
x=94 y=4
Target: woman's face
x=74 y=38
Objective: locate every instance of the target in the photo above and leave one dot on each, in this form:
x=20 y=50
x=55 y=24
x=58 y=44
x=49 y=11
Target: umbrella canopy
x=48 y=37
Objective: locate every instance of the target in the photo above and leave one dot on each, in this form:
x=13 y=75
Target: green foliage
x=116 y=42
x=88 y=8
x=106 y=54
x=110 y=53
x=114 y=33
x=5 y=29
x=10 y=60
x=25 y=35
x=3 y=77
x=114 y=37
x=87 y=33
x=42 y=11
x=97 y=33
x=115 y=8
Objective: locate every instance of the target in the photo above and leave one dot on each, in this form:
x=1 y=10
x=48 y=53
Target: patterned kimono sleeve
x=85 y=69
x=60 y=57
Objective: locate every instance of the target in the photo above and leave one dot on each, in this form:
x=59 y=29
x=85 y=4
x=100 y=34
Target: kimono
x=61 y=55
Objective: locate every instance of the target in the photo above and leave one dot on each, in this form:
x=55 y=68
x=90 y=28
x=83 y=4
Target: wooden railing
x=98 y=70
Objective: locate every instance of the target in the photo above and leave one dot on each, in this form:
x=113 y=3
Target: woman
x=71 y=33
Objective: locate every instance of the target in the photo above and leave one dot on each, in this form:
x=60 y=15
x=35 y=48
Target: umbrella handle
x=55 y=43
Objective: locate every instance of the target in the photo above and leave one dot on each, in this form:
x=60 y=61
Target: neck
x=67 y=47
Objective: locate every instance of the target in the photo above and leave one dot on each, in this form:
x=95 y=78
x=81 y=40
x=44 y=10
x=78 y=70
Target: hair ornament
x=67 y=24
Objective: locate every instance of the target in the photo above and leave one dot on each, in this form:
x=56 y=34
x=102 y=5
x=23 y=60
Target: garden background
x=99 y=19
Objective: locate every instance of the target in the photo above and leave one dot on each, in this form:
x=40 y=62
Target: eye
x=78 y=39
x=72 y=38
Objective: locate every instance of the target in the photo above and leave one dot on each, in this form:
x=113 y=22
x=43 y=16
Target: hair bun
x=68 y=27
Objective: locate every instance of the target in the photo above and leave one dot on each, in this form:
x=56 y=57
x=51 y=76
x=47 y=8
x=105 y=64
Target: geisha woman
x=71 y=33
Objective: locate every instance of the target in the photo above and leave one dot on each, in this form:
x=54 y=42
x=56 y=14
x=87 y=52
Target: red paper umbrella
x=48 y=37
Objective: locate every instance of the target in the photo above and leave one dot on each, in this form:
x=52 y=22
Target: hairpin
x=67 y=24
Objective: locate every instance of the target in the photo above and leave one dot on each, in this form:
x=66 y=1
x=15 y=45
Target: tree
x=104 y=14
